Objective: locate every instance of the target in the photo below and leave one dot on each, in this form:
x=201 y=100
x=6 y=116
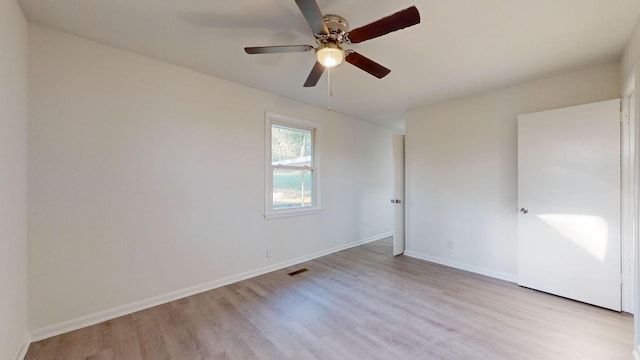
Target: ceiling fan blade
x=311 y=12
x=367 y=65
x=315 y=75
x=277 y=49
x=400 y=20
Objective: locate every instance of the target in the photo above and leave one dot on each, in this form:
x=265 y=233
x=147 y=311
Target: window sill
x=290 y=213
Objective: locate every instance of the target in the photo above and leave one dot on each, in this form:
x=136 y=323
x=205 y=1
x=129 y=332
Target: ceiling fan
x=332 y=32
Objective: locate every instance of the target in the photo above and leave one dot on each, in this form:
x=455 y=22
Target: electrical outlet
x=269 y=253
x=450 y=244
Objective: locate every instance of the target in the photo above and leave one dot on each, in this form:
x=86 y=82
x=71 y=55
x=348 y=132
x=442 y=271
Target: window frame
x=271 y=119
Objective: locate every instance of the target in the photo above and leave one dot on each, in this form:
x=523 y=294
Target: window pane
x=290 y=146
x=292 y=188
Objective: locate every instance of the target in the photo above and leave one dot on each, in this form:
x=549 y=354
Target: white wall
x=462 y=171
x=13 y=179
x=148 y=178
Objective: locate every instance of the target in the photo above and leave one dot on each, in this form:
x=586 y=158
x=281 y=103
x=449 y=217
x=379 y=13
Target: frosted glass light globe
x=330 y=55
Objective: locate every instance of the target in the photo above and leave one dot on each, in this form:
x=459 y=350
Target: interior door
x=398 y=194
x=569 y=202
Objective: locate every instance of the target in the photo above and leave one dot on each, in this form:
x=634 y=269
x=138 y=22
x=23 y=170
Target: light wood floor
x=360 y=303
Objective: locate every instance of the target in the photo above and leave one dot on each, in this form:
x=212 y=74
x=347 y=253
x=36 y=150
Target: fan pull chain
x=329 y=92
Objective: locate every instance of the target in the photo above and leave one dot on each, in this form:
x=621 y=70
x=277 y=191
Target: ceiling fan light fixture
x=330 y=54
x=332 y=31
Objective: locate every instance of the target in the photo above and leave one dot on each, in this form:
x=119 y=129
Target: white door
x=398 y=194
x=569 y=202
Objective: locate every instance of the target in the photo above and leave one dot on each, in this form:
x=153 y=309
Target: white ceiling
x=461 y=47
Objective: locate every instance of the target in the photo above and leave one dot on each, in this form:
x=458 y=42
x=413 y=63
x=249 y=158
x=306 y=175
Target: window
x=292 y=166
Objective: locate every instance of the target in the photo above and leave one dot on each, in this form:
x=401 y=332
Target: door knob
x=524 y=210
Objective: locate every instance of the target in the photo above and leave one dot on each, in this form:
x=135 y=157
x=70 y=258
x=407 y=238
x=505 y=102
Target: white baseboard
x=24 y=347
x=636 y=353
x=92 y=319
x=463 y=266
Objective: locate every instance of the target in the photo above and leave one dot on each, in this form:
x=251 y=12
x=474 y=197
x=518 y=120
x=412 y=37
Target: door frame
x=628 y=196
x=629 y=91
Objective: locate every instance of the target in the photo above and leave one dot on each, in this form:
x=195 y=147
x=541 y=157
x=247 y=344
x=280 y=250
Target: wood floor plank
x=126 y=344
x=257 y=310
x=43 y=350
x=152 y=342
x=360 y=303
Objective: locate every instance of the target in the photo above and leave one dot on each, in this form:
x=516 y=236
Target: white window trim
x=274 y=118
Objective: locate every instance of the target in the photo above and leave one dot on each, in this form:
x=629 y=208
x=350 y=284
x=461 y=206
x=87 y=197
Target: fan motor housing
x=337 y=25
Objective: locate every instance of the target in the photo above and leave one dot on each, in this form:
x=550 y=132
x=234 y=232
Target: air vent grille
x=299 y=271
